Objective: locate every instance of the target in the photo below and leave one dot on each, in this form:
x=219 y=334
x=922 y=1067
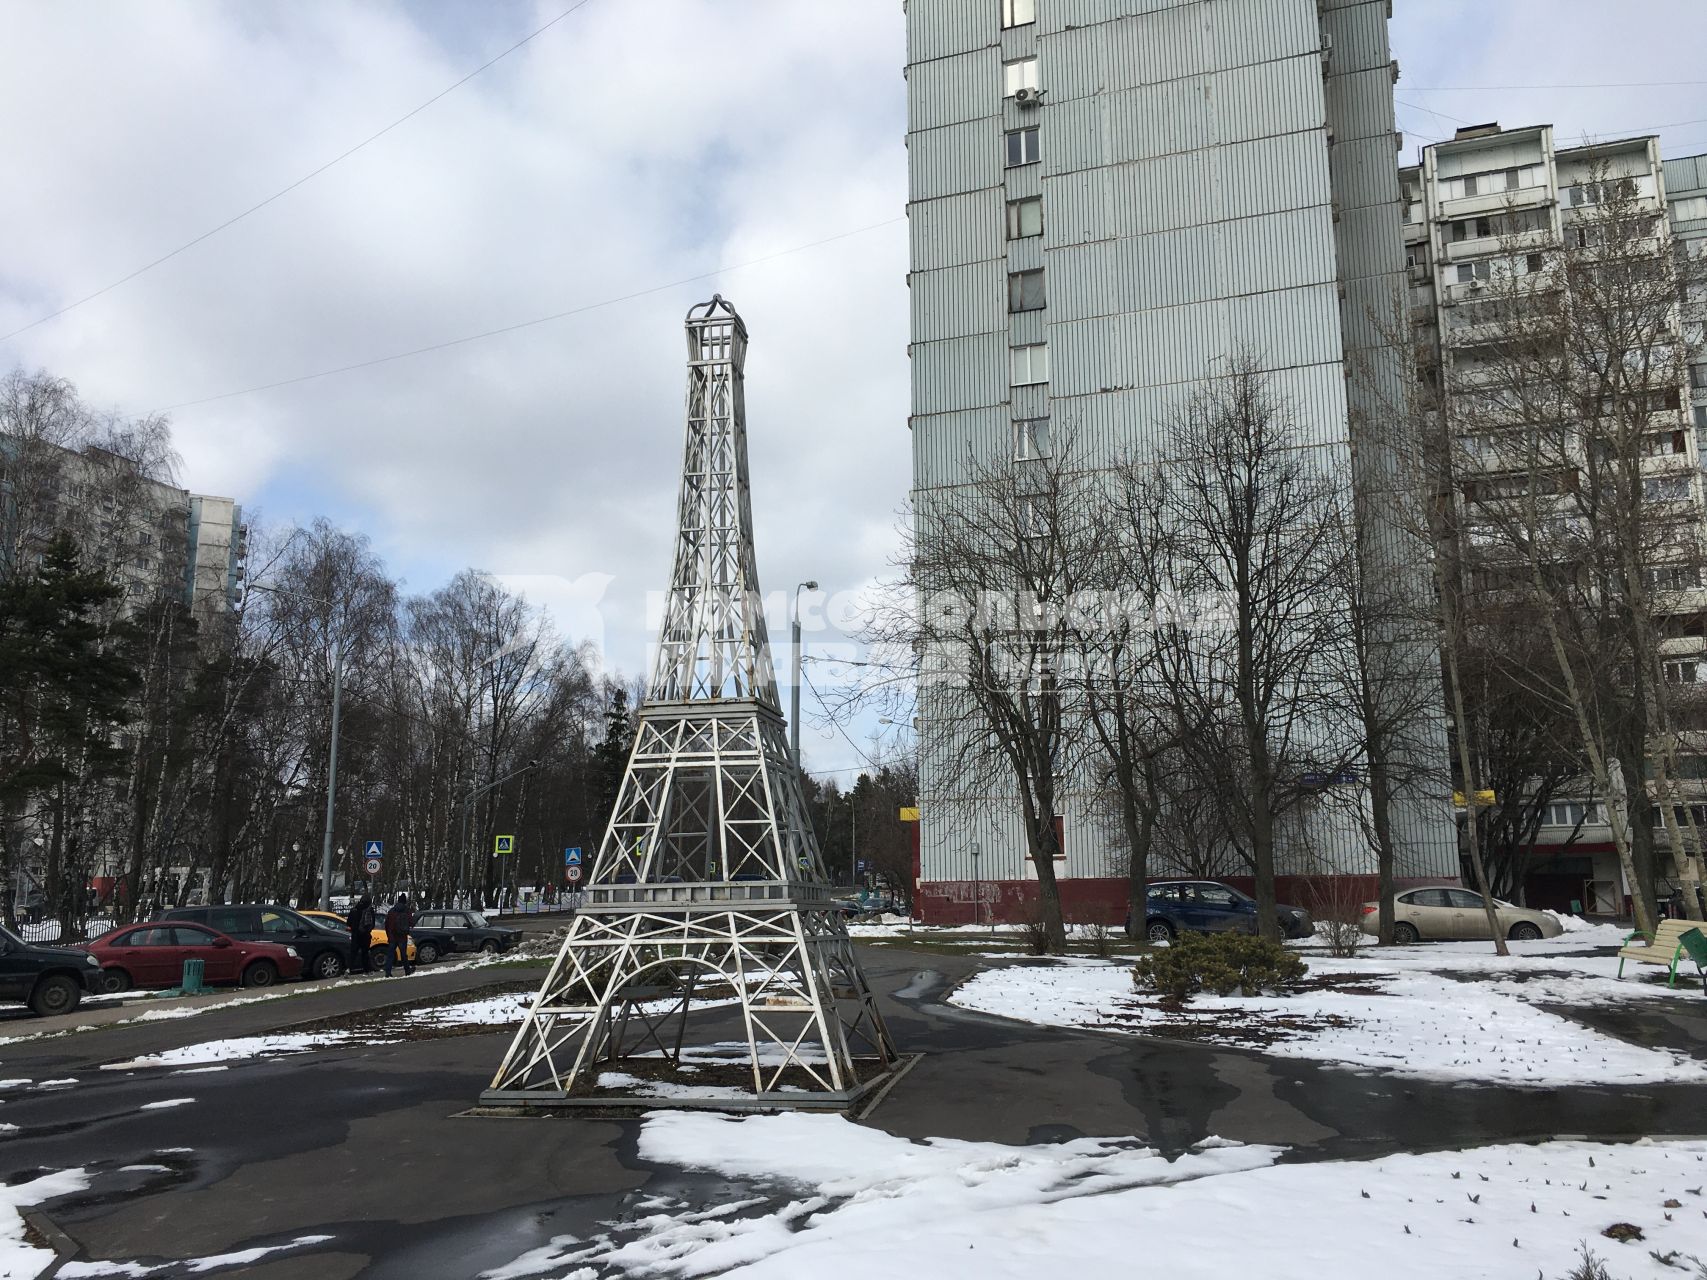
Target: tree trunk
x=1381 y=821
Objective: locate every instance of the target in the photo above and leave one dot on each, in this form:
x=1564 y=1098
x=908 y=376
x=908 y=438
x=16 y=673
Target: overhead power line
x=528 y=324
x=1528 y=88
x=307 y=177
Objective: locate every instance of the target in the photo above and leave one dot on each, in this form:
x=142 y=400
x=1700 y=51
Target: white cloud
x=626 y=147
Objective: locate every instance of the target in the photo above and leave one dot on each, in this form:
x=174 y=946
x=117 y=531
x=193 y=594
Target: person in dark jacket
x=361 y=935
x=398 y=922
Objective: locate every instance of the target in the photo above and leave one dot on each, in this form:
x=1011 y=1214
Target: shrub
x=1034 y=932
x=1223 y=963
x=1099 y=940
x=1338 y=912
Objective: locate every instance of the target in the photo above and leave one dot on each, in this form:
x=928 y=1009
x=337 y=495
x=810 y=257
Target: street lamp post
x=794 y=706
x=332 y=776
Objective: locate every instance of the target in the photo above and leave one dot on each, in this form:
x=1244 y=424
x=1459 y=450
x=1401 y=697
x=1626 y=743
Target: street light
x=794 y=713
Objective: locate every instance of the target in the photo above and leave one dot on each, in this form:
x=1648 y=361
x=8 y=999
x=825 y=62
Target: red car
x=153 y=955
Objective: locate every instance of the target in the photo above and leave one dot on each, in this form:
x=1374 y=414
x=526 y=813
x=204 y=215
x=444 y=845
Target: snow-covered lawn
x=1452 y=1011
x=839 y=1200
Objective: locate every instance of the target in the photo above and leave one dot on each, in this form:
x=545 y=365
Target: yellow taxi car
x=380 y=942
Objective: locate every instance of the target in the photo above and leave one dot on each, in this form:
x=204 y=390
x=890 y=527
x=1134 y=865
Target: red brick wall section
x=1104 y=900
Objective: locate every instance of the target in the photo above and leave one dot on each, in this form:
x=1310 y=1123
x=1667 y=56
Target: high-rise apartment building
x=155 y=540
x=1503 y=228
x=1107 y=200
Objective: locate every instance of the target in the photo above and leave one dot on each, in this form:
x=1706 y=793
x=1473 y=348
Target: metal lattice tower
x=708 y=888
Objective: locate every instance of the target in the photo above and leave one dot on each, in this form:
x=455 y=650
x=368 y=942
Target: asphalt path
x=367 y=1144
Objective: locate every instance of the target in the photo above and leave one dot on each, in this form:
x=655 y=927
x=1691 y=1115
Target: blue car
x=1203 y=906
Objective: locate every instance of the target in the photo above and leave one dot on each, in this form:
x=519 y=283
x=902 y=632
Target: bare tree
x=994 y=569
x=1253 y=554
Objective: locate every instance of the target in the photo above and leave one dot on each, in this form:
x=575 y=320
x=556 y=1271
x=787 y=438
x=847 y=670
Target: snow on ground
x=19 y=1258
x=165 y=1104
x=852 y=1202
x=239 y=1048
x=193 y=1266
x=1400 y=1009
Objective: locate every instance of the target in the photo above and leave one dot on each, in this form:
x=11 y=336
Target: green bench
x=1671 y=942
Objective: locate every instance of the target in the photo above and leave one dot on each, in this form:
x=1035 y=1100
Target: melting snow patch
x=1418 y=1021
x=230 y=1050
x=162 y=1106
x=846 y=1203
x=194 y=1266
x=17 y=1256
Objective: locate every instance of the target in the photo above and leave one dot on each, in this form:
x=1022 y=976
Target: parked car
x=440 y=933
x=1203 y=906
x=1444 y=913
x=324 y=950
x=49 y=980
x=153 y=955
x=379 y=940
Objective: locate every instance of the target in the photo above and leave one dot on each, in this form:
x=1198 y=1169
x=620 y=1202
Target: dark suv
x=1203 y=906
x=48 y=979
x=439 y=933
x=325 y=951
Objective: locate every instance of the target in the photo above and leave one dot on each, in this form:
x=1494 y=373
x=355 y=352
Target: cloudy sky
x=625 y=163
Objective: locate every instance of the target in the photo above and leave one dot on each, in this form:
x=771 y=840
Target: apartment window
x=1568 y=813
x=1534 y=264
x=1017 y=13
x=1031 y=439
x=1698 y=376
x=1674 y=577
x=1022 y=147
x=1680 y=672
x=1693 y=209
x=1025 y=218
x=1030 y=364
x=1468 y=271
x=1018 y=74
x=1025 y=290
x=1701 y=417
x=1665 y=488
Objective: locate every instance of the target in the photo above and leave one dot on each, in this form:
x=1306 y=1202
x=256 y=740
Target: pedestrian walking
x=399 y=921
x=361 y=935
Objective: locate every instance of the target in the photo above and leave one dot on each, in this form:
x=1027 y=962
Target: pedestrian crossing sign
x=502 y=845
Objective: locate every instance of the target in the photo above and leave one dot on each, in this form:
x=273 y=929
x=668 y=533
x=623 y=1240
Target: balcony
x=1494 y=202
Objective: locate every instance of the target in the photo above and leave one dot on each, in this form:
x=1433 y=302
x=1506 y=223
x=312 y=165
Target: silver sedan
x=1456 y=915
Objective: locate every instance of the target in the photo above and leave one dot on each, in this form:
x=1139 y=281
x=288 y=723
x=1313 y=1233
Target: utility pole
x=332 y=776
x=794 y=705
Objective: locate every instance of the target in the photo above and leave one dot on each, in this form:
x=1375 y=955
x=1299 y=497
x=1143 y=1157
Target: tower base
x=731 y=996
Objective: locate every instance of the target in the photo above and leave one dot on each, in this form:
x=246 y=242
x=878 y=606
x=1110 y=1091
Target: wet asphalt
x=367 y=1144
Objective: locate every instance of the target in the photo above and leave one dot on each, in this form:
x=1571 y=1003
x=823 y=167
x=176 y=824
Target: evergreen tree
x=610 y=757
x=66 y=682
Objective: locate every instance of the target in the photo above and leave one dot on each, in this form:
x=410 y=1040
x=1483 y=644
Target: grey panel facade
x=1213 y=175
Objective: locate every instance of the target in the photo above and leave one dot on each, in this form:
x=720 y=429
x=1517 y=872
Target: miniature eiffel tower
x=708 y=888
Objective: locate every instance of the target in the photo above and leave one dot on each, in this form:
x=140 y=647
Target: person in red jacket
x=398 y=922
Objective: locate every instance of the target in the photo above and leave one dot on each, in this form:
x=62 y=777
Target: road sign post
x=573 y=873
x=373 y=854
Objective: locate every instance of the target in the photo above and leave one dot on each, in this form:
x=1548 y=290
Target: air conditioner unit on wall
x=1029 y=97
